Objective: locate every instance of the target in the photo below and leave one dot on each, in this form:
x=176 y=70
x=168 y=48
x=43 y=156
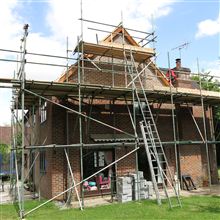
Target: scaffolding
x=26 y=93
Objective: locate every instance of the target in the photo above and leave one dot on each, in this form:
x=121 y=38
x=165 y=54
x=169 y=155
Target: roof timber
x=115 y=50
x=158 y=93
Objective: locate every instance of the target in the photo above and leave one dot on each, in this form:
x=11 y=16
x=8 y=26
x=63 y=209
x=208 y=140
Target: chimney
x=178 y=63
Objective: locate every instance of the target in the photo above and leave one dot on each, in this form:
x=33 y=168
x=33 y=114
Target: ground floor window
x=93 y=161
x=42 y=161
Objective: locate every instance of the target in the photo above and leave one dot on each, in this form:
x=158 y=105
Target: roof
x=107 y=47
x=121 y=30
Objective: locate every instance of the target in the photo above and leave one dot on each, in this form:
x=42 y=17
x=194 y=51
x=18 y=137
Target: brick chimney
x=183 y=76
x=178 y=63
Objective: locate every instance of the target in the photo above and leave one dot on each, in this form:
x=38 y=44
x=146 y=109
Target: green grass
x=196 y=207
x=219 y=171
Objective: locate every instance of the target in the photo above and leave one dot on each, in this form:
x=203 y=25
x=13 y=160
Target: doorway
x=93 y=161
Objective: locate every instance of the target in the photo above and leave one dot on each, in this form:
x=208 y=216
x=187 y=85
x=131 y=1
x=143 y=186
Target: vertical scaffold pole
x=23 y=115
x=204 y=125
x=174 y=128
x=81 y=73
x=67 y=59
x=80 y=124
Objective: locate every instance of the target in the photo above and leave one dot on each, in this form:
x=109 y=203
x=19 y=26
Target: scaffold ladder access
x=160 y=173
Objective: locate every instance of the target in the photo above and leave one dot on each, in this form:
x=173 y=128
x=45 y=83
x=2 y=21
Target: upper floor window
x=43 y=112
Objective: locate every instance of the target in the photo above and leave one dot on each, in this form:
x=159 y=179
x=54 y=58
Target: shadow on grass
x=212 y=209
x=197 y=204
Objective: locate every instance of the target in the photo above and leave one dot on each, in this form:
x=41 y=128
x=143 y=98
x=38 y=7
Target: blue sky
x=175 y=22
x=181 y=26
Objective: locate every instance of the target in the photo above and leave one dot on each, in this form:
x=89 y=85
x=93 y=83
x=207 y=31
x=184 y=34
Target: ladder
x=157 y=160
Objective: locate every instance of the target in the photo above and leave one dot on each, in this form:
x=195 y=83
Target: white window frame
x=43 y=112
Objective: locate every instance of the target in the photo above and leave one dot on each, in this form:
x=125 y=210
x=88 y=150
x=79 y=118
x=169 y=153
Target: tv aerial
x=180 y=47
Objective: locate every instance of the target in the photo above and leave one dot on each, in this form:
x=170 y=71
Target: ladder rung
x=153 y=139
x=155 y=152
x=153 y=160
x=155 y=146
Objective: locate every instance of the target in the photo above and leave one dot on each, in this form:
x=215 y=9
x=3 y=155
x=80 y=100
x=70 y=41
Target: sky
x=52 y=21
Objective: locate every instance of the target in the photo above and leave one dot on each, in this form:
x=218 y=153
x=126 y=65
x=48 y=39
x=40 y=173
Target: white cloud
x=63 y=15
x=213 y=67
x=44 y=45
x=11 y=24
x=208 y=66
x=208 y=27
x=62 y=20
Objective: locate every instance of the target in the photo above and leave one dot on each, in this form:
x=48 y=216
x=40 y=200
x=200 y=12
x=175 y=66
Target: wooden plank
x=115 y=50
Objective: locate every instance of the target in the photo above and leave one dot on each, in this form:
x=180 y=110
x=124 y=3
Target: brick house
x=58 y=127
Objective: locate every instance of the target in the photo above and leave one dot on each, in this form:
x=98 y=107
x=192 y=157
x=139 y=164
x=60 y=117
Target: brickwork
x=43 y=180
x=192 y=158
x=59 y=172
x=126 y=165
x=55 y=129
x=5 y=135
x=63 y=128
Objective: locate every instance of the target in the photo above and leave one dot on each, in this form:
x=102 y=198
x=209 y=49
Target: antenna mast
x=180 y=47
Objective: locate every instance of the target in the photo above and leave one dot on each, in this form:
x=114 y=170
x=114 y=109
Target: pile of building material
x=130 y=188
x=124 y=189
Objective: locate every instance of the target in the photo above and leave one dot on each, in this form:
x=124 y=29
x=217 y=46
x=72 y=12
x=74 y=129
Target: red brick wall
x=74 y=157
x=59 y=172
x=127 y=165
x=192 y=157
x=5 y=135
x=43 y=180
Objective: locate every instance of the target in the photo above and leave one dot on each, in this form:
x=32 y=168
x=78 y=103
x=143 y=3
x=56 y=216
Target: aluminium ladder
x=155 y=153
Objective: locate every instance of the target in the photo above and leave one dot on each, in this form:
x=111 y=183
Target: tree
x=207 y=82
x=211 y=84
x=5 y=152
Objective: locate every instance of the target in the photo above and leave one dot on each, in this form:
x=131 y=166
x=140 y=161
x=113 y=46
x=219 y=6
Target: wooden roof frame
x=108 y=39
x=118 y=30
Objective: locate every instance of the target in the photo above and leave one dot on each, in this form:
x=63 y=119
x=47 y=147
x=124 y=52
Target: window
x=99 y=159
x=95 y=160
x=42 y=161
x=32 y=165
x=34 y=119
x=43 y=112
x=25 y=160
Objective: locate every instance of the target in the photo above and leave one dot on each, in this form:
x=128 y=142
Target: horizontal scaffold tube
x=114 y=144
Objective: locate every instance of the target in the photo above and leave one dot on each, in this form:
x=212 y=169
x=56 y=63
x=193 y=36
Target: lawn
x=196 y=207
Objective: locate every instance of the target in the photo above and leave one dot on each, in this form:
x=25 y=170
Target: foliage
x=195 y=207
x=5 y=152
x=19 y=139
x=207 y=82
